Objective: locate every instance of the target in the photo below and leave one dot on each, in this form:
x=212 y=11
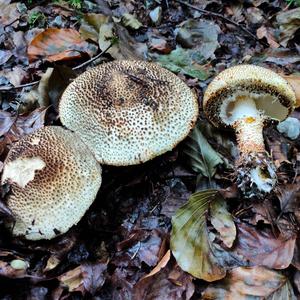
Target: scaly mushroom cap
x=54 y=179
x=271 y=93
x=128 y=112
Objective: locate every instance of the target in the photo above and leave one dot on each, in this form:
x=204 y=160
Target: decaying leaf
x=184 y=61
x=221 y=219
x=13 y=127
x=85 y=278
x=263 y=249
x=251 y=283
x=131 y=21
x=289 y=23
x=54 y=44
x=170 y=282
x=202 y=157
x=191 y=243
x=266 y=32
x=91 y=24
x=202 y=35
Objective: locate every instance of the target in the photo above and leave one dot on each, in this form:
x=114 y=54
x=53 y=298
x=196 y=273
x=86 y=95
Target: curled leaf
x=201 y=156
x=55 y=44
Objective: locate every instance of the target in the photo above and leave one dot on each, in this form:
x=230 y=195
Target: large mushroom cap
x=54 y=179
x=272 y=94
x=128 y=112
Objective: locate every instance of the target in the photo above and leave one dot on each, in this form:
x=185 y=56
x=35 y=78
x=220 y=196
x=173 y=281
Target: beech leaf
x=201 y=156
x=191 y=243
x=251 y=283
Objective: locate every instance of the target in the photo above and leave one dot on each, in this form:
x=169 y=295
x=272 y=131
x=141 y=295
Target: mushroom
x=128 y=112
x=54 y=178
x=244 y=98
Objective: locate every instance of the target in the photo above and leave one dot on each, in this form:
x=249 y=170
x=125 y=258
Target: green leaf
x=184 y=61
x=191 y=242
x=202 y=157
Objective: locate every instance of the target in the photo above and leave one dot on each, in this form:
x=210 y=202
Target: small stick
x=207 y=12
x=8 y=88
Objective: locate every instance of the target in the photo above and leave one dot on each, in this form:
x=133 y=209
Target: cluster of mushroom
x=125 y=113
x=120 y=113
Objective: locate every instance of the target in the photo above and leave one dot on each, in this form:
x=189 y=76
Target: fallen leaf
x=13 y=126
x=91 y=24
x=201 y=156
x=162 y=263
x=289 y=22
x=222 y=220
x=262 y=248
x=6 y=121
x=203 y=36
x=55 y=44
x=37 y=96
x=251 y=283
x=264 y=32
x=296 y=258
x=7 y=270
x=15 y=76
x=281 y=56
x=184 y=61
x=9 y=13
x=159 y=45
x=190 y=240
x=131 y=21
x=5 y=55
x=85 y=278
x=170 y=282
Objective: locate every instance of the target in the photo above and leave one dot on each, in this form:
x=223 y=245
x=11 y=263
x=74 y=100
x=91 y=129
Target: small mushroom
x=128 y=112
x=244 y=98
x=54 y=178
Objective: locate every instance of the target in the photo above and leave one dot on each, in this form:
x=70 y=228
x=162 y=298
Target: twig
x=207 y=12
x=8 y=88
x=92 y=59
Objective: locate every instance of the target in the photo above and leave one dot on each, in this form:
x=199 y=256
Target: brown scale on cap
x=128 y=112
x=54 y=179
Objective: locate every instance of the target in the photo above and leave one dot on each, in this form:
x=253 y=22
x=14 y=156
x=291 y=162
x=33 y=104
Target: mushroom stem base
x=256 y=174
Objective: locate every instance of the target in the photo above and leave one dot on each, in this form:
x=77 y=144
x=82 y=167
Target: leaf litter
x=124 y=248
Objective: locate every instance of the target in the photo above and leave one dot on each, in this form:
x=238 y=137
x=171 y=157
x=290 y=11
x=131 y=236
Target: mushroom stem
x=255 y=170
x=249 y=132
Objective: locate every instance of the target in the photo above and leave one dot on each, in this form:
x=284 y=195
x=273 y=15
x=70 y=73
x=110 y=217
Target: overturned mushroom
x=128 y=112
x=54 y=178
x=244 y=98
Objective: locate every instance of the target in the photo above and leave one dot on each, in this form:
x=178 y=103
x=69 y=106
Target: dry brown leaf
x=264 y=32
x=85 y=278
x=169 y=283
x=162 y=263
x=263 y=249
x=55 y=44
x=251 y=283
